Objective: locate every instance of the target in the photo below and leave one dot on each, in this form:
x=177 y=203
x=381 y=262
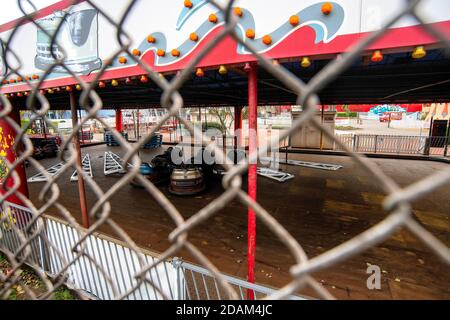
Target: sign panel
x=166 y=35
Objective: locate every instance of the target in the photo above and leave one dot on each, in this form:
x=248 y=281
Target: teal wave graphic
x=325 y=27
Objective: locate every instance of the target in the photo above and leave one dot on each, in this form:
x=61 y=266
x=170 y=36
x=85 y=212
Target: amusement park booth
x=310 y=137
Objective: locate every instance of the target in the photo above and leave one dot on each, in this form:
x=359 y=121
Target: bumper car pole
x=76 y=142
x=252 y=71
x=119 y=120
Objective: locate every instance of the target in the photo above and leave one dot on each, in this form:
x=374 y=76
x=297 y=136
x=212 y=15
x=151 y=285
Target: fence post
x=45 y=252
x=355 y=143
x=446 y=146
x=176 y=263
x=426 y=150
x=376 y=143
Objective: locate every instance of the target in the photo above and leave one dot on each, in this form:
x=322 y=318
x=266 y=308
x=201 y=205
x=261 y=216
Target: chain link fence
x=30 y=233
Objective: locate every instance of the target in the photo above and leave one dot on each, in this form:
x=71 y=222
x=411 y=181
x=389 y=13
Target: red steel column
x=76 y=142
x=7 y=140
x=252 y=177
x=119 y=120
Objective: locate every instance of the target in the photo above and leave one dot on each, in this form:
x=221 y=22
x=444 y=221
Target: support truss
x=86 y=165
x=113 y=164
x=52 y=171
x=314 y=165
x=274 y=174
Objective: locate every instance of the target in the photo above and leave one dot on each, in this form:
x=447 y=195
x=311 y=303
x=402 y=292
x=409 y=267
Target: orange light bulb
x=238 y=12
x=250 y=33
x=213 y=18
x=267 y=40
x=200 y=73
x=327 y=7
x=160 y=53
x=193 y=37
x=176 y=53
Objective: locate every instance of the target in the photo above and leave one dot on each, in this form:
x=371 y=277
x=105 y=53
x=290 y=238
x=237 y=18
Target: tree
x=346 y=108
x=225 y=117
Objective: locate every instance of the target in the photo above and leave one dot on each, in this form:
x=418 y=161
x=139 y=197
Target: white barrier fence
x=104 y=267
x=119 y=262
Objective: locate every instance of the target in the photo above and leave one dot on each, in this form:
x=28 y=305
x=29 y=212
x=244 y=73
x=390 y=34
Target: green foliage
x=279 y=127
x=63 y=294
x=347 y=114
x=213 y=125
x=13 y=295
x=3 y=169
x=346 y=128
x=245 y=113
x=29 y=278
x=423 y=116
x=25 y=122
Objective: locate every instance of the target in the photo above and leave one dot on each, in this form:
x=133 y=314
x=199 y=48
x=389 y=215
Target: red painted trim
x=299 y=43
x=61 y=5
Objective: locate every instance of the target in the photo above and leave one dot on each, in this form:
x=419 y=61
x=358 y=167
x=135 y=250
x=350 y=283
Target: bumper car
x=186 y=181
x=158 y=171
x=45 y=148
x=235 y=156
x=163 y=160
x=156 y=175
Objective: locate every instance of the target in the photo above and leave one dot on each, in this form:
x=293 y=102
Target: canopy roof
x=397 y=79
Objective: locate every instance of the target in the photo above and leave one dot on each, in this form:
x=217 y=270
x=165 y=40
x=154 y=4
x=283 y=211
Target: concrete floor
x=321 y=209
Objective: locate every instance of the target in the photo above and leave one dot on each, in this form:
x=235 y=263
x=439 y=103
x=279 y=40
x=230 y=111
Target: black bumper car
x=44 y=148
x=235 y=156
x=158 y=172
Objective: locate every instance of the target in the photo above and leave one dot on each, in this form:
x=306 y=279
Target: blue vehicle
x=159 y=171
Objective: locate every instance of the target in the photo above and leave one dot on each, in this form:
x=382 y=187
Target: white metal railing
x=393 y=144
x=104 y=267
x=197 y=283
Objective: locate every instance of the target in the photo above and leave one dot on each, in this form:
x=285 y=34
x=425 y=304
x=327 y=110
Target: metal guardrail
x=395 y=144
x=107 y=267
x=198 y=283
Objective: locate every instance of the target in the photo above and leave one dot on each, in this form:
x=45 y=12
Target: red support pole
x=252 y=176
x=119 y=120
x=7 y=141
x=82 y=132
x=76 y=142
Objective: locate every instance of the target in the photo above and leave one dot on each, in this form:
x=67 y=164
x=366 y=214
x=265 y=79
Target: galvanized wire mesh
x=397 y=202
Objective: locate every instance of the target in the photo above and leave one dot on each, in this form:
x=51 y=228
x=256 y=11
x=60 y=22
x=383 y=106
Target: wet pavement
x=321 y=209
